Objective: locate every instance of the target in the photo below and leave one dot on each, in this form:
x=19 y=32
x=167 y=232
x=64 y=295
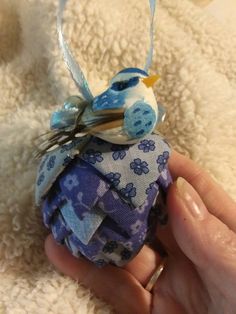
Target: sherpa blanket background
x=196 y=59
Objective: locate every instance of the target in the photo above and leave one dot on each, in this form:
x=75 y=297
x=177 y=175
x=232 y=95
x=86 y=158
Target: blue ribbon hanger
x=151 y=48
x=74 y=67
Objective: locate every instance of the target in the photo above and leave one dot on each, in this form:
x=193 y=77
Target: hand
x=200 y=238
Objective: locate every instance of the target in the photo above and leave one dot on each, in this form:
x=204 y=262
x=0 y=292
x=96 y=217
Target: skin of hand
x=200 y=239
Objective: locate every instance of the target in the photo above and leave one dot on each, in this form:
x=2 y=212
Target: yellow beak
x=150 y=80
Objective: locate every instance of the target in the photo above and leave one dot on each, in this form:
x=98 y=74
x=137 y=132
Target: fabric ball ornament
x=104 y=164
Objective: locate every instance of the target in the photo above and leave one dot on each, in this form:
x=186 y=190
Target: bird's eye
x=119 y=86
x=122 y=85
x=133 y=81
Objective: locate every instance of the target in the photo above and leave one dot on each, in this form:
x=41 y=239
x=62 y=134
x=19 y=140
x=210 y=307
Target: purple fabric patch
x=90 y=206
x=124 y=229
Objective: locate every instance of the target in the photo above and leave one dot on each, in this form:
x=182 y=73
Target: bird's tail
x=87 y=123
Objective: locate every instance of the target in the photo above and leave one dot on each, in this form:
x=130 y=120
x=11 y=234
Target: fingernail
x=191 y=199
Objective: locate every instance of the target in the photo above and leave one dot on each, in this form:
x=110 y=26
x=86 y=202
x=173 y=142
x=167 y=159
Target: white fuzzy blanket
x=196 y=59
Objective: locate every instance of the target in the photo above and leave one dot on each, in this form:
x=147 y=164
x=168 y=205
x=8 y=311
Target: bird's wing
x=140 y=119
x=108 y=100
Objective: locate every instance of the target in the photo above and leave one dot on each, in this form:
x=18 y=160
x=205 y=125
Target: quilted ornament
x=104 y=164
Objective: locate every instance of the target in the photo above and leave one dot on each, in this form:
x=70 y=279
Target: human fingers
x=165 y=235
x=144 y=265
x=115 y=285
x=203 y=238
x=215 y=198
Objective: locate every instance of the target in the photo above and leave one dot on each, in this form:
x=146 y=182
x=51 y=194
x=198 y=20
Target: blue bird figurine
x=124 y=113
x=131 y=93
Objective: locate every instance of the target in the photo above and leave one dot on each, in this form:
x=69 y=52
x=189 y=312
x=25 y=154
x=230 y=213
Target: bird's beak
x=150 y=80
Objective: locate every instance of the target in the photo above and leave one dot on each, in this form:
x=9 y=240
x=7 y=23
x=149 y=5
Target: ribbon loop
x=74 y=67
x=151 y=48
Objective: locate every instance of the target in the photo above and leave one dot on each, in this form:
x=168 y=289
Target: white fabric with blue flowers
x=130 y=176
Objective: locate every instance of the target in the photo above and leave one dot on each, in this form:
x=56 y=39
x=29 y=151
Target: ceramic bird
x=130 y=92
x=124 y=113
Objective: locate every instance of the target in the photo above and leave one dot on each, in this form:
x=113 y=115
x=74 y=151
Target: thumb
x=202 y=237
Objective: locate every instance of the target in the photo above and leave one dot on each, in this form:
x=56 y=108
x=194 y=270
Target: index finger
x=218 y=202
x=113 y=284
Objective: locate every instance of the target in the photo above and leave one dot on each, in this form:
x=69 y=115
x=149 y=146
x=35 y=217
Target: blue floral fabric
x=142 y=162
x=124 y=166
x=94 y=206
x=52 y=164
